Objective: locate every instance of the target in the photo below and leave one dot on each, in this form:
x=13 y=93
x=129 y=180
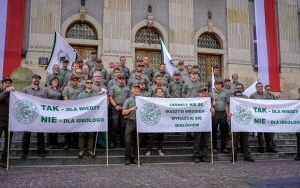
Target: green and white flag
x=35 y=114
x=157 y=115
x=252 y=115
x=61 y=50
x=167 y=59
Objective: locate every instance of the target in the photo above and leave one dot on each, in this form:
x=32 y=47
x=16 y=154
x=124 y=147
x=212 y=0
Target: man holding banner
x=129 y=113
x=34 y=90
x=259 y=94
x=201 y=139
x=4 y=111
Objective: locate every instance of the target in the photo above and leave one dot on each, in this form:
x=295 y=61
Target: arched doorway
x=83 y=31
x=147 y=40
x=209 y=43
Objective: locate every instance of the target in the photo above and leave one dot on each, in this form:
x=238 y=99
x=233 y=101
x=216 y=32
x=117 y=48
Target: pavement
x=219 y=174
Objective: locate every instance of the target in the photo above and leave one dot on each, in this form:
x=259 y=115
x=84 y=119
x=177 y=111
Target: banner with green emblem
x=253 y=115
x=35 y=114
x=156 y=115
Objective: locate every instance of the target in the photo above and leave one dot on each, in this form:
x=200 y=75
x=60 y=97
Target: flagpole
x=8 y=150
x=212 y=149
x=95 y=146
x=232 y=142
x=107 y=148
x=138 y=146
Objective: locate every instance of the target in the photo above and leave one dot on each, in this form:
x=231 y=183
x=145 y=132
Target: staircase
x=176 y=147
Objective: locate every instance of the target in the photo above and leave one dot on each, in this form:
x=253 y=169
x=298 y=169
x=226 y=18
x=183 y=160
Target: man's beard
x=37 y=83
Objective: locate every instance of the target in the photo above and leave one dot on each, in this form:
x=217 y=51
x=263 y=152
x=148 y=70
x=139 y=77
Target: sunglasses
x=89 y=82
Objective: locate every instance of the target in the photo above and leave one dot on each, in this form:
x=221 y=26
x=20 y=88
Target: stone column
x=117 y=30
x=238 y=33
x=288 y=33
x=44 y=21
x=181 y=30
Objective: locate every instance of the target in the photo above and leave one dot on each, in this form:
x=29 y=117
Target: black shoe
x=23 y=155
x=112 y=146
x=196 y=159
x=127 y=162
x=297 y=158
x=235 y=159
x=272 y=150
x=42 y=154
x=132 y=161
x=261 y=150
x=249 y=159
x=204 y=159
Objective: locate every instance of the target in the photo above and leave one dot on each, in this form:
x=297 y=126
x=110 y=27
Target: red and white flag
x=267 y=44
x=11 y=35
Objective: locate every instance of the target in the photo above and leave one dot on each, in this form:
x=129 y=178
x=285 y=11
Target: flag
x=61 y=50
x=11 y=35
x=212 y=79
x=250 y=90
x=267 y=44
x=167 y=59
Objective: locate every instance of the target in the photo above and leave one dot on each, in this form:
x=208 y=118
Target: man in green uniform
x=241 y=137
x=157 y=82
x=64 y=69
x=259 y=94
x=34 y=90
x=190 y=89
x=71 y=92
x=148 y=70
x=165 y=76
x=124 y=70
x=93 y=60
x=5 y=90
x=201 y=138
x=220 y=102
x=129 y=112
x=87 y=139
x=56 y=73
x=117 y=95
x=175 y=87
x=100 y=67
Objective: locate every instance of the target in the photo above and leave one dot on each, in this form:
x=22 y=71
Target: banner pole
x=212 y=149
x=8 y=150
x=107 y=147
x=95 y=146
x=138 y=146
x=232 y=143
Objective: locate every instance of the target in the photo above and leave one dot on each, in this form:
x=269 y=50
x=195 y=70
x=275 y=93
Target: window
x=208 y=40
x=147 y=36
x=253 y=38
x=82 y=31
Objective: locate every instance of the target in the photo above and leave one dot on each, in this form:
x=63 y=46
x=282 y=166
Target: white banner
x=173 y=114
x=35 y=114
x=253 y=115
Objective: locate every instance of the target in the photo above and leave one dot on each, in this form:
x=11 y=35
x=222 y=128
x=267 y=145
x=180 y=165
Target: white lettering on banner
x=253 y=115
x=173 y=115
x=35 y=114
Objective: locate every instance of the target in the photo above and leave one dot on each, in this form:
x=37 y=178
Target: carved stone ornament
x=150 y=20
x=82 y=12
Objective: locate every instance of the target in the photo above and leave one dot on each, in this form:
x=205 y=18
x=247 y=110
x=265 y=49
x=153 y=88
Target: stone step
x=120 y=151
x=252 y=142
x=73 y=160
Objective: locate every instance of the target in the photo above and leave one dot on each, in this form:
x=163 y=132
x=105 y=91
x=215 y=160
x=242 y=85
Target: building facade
x=202 y=32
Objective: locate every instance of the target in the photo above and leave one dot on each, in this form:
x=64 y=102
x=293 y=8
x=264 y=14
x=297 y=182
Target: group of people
x=91 y=78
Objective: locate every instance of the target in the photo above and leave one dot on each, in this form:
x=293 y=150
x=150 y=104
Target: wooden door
x=84 y=51
x=153 y=55
x=205 y=62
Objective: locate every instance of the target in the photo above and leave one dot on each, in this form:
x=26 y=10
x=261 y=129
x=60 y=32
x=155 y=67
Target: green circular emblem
x=150 y=114
x=25 y=111
x=242 y=114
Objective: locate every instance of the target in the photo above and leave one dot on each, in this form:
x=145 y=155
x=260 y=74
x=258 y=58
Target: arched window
x=208 y=40
x=147 y=36
x=82 y=31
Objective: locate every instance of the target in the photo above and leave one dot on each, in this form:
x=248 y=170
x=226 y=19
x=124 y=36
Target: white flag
x=61 y=49
x=167 y=59
x=250 y=90
x=212 y=79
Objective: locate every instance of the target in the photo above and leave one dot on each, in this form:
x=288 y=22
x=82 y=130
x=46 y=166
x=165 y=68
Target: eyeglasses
x=239 y=88
x=268 y=89
x=89 y=82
